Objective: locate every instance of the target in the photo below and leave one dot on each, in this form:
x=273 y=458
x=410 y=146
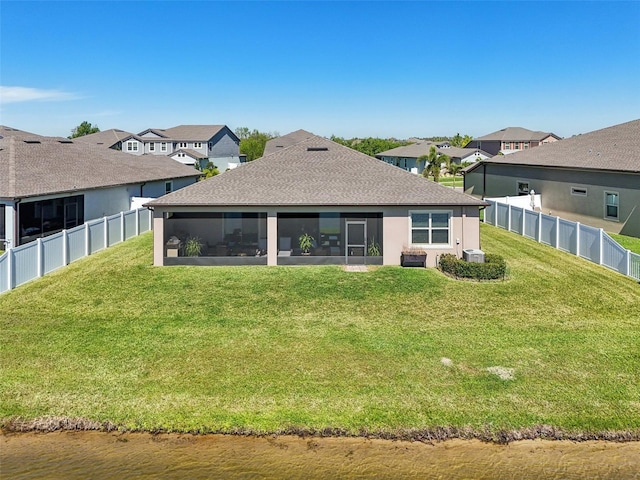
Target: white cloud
x=26 y=94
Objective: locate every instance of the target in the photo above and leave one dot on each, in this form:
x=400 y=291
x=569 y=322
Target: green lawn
x=630 y=243
x=111 y=338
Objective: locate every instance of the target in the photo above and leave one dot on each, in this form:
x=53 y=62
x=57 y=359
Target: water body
x=81 y=455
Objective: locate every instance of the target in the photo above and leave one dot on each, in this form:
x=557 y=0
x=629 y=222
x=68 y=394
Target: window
x=132 y=146
x=526 y=145
x=163 y=147
x=181 y=155
x=516 y=145
x=611 y=200
x=430 y=228
x=168 y=187
x=210 y=145
x=182 y=145
x=507 y=146
x=152 y=147
x=197 y=144
x=581 y=192
x=523 y=188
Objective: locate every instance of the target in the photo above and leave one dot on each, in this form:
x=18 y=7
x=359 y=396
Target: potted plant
x=305 y=241
x=373 y=249
x=413 y=257
x=192 y=247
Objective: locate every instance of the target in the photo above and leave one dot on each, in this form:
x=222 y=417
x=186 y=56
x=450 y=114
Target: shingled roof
x=517 y=134
x=36 y=165
x=316 y=172
x=284 y=141
x=106 y=138
x=191 y=133
x=416 y=150
x=615 y=148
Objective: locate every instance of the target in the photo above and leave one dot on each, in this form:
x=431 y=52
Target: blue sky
x=380 y=68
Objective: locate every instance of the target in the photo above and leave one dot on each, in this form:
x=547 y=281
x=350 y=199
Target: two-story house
x=188 y=144
x=511 y=140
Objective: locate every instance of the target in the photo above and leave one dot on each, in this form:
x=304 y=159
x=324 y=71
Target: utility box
x=473 y=255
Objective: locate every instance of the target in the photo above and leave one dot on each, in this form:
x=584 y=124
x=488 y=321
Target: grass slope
x=111 y=338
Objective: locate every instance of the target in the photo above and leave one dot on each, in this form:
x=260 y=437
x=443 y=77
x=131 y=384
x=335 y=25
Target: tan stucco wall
x=465 y=226
x=554 y=187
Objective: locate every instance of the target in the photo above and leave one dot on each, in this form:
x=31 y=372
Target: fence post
x=150 y=219
x=495 y=214
x=137 y=222
x=65 y=247
x=508 y=217
x=628 y=264
x=578 y=239
x=87 y=249
x=39 y=257
x=122 y=226
x=106 y=232
x=539 y=232
x=557 y=245
x=600 y=246
x=524 y=216
x=10 y=269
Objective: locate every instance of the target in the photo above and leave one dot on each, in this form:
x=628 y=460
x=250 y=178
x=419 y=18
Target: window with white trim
x=182 y=145
x=197 y=144
x=163 y=147
x=430 y=227
x=168 y=187
x=579 y=191
x=611 y=205
x=152 y=147
x=132 y=146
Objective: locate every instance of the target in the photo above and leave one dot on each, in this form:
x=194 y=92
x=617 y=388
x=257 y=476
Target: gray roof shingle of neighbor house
x=106 y=137
x=284 y=141
x=198 y=133
x=615 y=148
x=416 y=150
x=316 y=172
x=37 y=165
x=517 y=134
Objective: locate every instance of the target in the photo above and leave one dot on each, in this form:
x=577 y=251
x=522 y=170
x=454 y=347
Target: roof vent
x=31 y=140
x=317 y=149
x=64 y=140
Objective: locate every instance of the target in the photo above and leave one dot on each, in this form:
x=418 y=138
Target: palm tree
x=433 y=161
x=454 y=169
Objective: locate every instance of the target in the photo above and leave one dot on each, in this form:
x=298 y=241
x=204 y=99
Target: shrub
x=493 y=268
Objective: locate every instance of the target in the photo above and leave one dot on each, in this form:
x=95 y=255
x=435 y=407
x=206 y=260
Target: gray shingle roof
x=191 y=133
x=47 y=165
x=416 y=150
x=516 y=134
x=279 y=143
x=316 y=172
x=615 y=148
x=106 y=137
x=10 y=131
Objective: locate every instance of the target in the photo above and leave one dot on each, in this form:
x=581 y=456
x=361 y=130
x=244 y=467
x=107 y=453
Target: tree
x=209 y=170
x=85 y=128
x=460 y=141
x=454 y=169
x=370 y=145
x=433 y=161
x=252 y=142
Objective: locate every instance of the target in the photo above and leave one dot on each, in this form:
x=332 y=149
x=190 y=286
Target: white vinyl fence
x=34 y=259
x=573 y=237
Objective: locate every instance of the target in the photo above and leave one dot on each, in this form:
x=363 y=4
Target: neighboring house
x=52 y=183
x=347 y=201
x=188 y=144
x=279 y=143
x=406 y=157
x=593 y=178
x=511 y=140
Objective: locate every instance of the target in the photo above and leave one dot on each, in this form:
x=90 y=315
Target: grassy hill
x=112 y=338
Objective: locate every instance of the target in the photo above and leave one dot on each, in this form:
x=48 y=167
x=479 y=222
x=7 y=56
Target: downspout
x=484 y=180
x=141 y=187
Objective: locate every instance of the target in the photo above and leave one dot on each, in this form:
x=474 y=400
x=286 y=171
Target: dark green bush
x=493 y=268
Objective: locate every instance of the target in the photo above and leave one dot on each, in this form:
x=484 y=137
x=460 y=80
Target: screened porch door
x=356 y=242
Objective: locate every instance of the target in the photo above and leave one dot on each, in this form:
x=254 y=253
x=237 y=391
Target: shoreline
x=426 y=435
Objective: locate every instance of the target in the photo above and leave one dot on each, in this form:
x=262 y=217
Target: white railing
x=34 y=259
x=582 y=240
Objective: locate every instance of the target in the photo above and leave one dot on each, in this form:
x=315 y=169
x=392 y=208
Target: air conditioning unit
x=473 y=255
